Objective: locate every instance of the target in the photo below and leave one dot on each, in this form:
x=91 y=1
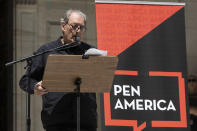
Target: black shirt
x=60 y=108
x=193 y=118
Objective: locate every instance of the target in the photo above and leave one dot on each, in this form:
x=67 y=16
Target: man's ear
x=63 y=24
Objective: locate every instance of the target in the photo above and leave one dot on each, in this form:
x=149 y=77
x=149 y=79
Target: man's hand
x=39 y=90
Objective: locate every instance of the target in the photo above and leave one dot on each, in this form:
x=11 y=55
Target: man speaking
x=59 y=110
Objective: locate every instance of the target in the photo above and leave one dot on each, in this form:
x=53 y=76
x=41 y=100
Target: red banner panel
x=121 y=25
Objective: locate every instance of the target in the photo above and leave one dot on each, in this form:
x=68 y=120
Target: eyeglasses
x=77 y=27
x=192 y=80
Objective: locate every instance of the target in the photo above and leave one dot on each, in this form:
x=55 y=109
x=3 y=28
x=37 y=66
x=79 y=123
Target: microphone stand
x=66 y=46
x=78 y=83
x=29 y=62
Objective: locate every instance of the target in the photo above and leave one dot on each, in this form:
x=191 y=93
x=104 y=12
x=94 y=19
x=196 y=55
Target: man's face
x=75 y=26
x=192 y=85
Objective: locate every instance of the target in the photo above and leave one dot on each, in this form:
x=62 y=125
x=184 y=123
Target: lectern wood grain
x=96 y=73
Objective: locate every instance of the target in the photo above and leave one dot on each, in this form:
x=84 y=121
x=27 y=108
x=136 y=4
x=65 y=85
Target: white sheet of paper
x=95 y=52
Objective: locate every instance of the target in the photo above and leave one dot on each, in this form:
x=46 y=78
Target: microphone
x=77 y=39
x=75 y=43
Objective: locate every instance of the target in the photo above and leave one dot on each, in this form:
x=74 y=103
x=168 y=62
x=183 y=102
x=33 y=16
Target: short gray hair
x=70 y=11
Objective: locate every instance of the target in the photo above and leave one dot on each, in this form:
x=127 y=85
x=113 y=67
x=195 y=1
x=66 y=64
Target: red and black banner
x=149 y=89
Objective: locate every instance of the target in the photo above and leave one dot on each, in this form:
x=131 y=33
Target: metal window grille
x=26 y=2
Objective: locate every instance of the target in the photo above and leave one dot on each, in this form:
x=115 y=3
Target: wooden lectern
x=76 y=73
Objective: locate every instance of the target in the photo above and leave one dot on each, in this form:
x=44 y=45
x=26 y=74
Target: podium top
x=96 y=73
